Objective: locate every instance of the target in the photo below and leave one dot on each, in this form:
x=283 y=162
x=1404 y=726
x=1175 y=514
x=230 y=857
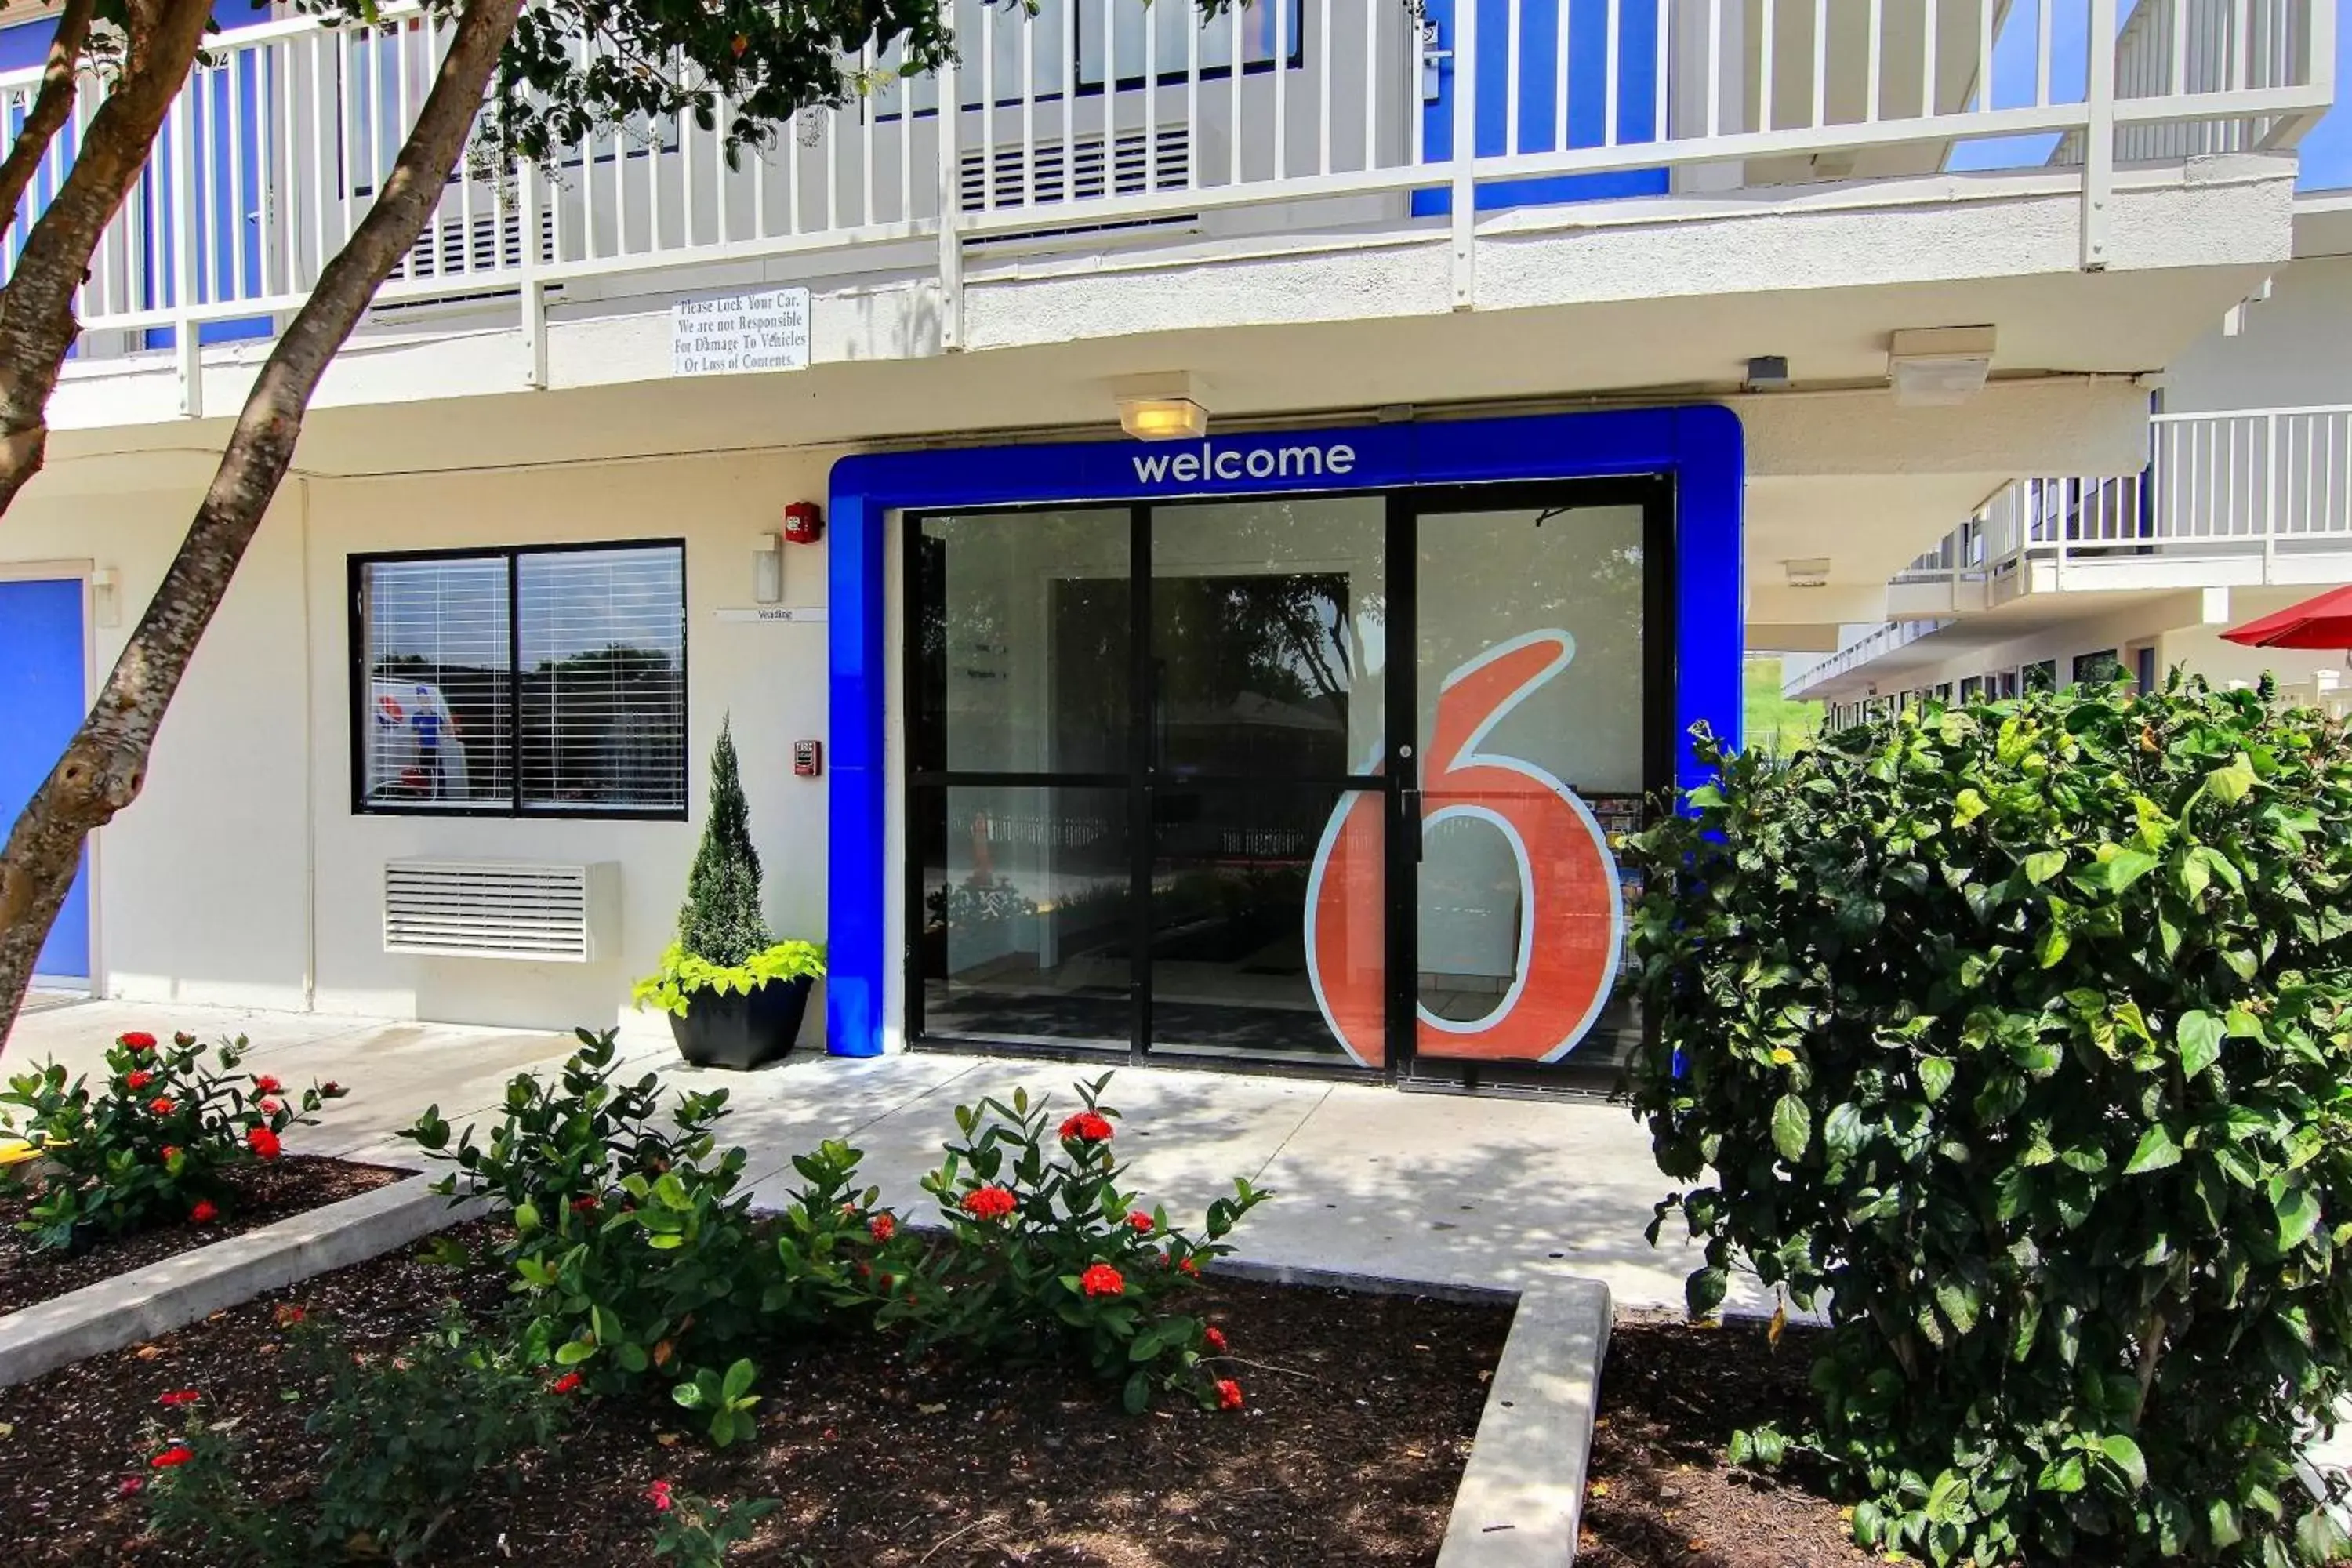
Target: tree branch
x=50 y=106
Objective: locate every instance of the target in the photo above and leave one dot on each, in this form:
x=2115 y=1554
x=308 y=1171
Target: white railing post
x=952 y=202
x=184 y=195
x=1465 y=152
x=2099 y=134
x=533 y=292
x=2270 y=495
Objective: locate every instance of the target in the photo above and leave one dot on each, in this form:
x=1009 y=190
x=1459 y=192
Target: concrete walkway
x=1477 y=1192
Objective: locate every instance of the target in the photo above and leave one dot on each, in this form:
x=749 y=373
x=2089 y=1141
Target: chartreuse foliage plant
x=153 y=1144
x=2019 y=1038
x=1046 y=1255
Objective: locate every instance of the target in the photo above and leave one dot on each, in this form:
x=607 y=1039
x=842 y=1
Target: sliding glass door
x=1321 y=780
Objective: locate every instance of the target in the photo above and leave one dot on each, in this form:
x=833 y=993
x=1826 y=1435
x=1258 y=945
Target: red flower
x=882 y=1227
x=162 y=1105
x=138 y=1081
x=131 y=1485
x=269 y=1108
x=179 y=1397
x=136 y=1040
x=1216 y=1338
x=204 y=1212
x=262 y=1142
x=287 y=1312
x=988 y=1203
x=265 y=1084
x=1186 y=1266
x=564 y=1385
x=170 y=1153
x=658 y=1495
x=584 y=1205
x=1102 y=1280
x=1229 y=1394
x=177 y=1453
x=330 y=1089
x=1142 y=1222
x=1085 y=1127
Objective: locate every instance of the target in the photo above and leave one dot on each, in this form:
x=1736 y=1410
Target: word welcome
x=1213 y=462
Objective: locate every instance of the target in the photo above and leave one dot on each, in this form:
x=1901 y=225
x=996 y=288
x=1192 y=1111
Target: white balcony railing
x=2262 y=489
x=1097 y=116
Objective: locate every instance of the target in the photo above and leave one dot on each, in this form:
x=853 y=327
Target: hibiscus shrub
x=2018 y=1037
x=1046 y=1255
x=155 y=1144
x=403 y=1439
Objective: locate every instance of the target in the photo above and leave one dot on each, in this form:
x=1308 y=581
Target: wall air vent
x=500 y=909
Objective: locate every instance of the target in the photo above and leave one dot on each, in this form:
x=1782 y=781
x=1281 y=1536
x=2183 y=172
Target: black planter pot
x=726 y=1029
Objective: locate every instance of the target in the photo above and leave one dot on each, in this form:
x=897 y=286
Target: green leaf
x=1136 y=1395
x=2200 y=1034
x=572 y=1352
x=1792 y=1126
x=1966 y=806
x=738 y=1381
x=2125 y=1456
x=2157 y=1151
x=1936 y=1077
x=2064 y=1474
x=2044 y=864
x=2054 y=943
x=1704 y=1292
x=2298 y=1215
x=2229 y=782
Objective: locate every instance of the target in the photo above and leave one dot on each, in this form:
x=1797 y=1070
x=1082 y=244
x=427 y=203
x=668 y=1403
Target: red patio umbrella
x=2323 y=622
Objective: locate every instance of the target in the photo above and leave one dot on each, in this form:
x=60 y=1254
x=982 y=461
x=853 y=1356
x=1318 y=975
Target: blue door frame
x=1699 y=446
x=43 y=694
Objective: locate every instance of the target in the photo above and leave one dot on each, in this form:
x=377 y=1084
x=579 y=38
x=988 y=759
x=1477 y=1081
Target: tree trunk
x=59 y=80
x=36 y=317
x=106 y=762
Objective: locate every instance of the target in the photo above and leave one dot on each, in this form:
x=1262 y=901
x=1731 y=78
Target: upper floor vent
x=1084 y=169
x=499 y=909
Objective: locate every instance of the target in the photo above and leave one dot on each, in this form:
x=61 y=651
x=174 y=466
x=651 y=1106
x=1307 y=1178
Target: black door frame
x=1397 y=782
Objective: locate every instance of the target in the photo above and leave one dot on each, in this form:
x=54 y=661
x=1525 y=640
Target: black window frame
x=516 y=808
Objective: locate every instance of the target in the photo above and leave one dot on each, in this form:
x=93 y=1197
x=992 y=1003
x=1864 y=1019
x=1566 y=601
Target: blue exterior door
x=1539 y=89
x=42 y=700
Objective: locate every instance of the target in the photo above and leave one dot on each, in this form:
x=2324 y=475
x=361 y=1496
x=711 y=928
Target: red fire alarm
x=808 y=758
x=804 y=523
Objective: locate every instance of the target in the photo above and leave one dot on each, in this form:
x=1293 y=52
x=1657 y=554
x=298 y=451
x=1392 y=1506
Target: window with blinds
x=522 y=681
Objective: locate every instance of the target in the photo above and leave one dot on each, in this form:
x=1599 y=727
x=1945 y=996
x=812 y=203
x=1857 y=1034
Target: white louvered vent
x=498 y=908
x=1084 y=170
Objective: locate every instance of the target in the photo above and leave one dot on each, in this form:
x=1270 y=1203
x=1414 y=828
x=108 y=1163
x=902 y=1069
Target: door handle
x=1409 y=802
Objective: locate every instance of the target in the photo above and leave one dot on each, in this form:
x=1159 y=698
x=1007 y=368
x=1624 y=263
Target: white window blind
x=549 y=681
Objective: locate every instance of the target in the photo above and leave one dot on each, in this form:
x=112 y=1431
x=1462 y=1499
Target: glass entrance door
x=1538 y=626
x=1318 y=780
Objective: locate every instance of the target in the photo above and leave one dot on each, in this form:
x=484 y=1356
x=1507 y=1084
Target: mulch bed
x=265 y=1194
x=1661 y=1494
x=1361 y=1410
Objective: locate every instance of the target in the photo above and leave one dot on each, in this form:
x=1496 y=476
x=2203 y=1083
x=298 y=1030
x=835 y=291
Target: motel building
x=1204 y=535
x=2242 y=506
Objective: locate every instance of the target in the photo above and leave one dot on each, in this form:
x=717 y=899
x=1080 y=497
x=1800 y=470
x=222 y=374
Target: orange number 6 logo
x=1570 y=911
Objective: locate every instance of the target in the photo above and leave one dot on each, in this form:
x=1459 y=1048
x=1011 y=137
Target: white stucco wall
x=2293 y=348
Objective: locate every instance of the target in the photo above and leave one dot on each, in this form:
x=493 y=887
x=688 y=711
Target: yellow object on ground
x=15 y=1152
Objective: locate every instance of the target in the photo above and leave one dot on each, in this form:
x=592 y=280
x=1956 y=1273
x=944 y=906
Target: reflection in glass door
x=1532 y=664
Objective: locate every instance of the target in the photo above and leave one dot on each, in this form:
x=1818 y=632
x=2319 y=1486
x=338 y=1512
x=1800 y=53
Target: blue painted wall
x=1539 y=90
x=41 y=704
x=1701 y=447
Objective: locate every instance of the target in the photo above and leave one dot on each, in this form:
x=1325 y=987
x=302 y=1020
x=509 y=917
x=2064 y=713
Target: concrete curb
x=180 y=1289
x=1522 y=1494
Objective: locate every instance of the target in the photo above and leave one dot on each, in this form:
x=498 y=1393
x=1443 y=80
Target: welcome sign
x=1214 y=462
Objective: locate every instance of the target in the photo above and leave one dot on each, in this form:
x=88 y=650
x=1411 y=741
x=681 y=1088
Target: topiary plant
x=2019 y=1038
x=721 y=922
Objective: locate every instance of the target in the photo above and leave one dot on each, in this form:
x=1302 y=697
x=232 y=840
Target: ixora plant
x=734 y=997
x=154 y=1144
x=1046 y=1255
x=2019 y=1038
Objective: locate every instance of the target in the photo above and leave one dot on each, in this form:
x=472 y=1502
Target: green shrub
x=2020 y=1037
x=1046 y=1256
x=634 y=1250
x=699 y=1532
x=403 y=1439
x=154 y=1145
x=722 y=922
